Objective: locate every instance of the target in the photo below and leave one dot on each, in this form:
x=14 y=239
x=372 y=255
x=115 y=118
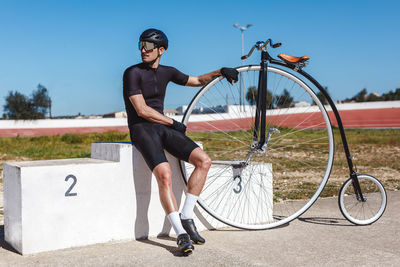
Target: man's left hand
x=230 y=74
x=178 y=126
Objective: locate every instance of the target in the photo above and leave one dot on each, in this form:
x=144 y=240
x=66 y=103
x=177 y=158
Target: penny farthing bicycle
x=272 y=147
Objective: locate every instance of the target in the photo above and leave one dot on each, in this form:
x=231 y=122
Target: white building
x=117 y=114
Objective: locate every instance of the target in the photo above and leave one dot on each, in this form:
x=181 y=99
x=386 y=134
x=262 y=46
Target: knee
x=164 y=179
x=204 y=162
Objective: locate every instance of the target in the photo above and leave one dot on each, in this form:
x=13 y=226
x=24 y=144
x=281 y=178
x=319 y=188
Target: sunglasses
x=148 y=46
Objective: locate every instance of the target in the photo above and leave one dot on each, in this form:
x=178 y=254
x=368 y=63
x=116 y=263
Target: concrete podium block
x=56 y=204
x=234 y=184
x=51 y=205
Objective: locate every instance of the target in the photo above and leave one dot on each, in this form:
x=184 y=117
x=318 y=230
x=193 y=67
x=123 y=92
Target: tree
x=18 y=106
x=363 y=96
x=391 y=95
x=284 y=100
x=360 y=96
x=251 y=97
x=397 y=94
x=41 y=100
x=21 y=107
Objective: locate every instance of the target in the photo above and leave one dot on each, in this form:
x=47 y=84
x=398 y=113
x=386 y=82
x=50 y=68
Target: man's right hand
x=230 y=74
x=178 y=126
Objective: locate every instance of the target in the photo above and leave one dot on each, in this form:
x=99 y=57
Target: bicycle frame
x=260 y=116
x=261 y=100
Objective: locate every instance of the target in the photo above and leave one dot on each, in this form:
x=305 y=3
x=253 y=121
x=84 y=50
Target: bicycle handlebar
x=260 y=46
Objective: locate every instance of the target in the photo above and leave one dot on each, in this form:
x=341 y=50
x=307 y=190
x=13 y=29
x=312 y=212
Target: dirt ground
x=380 y=161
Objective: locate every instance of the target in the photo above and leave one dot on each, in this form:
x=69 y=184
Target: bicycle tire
x=309 y=160
x=355 y=211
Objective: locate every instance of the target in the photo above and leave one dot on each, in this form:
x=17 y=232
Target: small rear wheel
x=363 y=212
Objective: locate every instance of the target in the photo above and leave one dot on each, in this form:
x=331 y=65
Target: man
x=144 y=87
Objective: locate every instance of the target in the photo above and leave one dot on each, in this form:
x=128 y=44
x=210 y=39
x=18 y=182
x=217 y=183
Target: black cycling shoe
x=184 y=244
x=190 y=228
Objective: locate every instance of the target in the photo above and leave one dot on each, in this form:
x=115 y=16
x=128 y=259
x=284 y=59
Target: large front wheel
x=253 y=188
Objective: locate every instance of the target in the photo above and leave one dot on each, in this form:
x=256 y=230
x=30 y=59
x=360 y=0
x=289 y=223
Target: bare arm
x=203 y=79
x=148 y=113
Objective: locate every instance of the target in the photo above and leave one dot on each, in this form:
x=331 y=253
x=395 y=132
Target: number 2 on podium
x=68 y=192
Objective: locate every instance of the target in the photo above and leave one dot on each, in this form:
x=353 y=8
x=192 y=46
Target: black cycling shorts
x=152 y=138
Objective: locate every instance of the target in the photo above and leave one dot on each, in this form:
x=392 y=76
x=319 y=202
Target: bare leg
x=202 y=163
x=163 y=175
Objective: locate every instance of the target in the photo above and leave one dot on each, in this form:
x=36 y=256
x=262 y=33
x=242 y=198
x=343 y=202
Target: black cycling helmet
x=155 y=36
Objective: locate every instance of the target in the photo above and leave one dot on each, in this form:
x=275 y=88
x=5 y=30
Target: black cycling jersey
x=148 y=137
x=152 y=84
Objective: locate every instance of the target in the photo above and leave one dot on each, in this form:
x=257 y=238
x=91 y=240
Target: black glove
x=178 y=126
x=230 y=74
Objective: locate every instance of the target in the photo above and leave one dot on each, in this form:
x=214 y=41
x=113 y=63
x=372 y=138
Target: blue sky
x=79 y=49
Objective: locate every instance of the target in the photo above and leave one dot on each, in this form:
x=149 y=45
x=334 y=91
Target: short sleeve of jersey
x=131 y=82
x=178 y=77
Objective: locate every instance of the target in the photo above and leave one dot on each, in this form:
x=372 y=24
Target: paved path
x=320 y=237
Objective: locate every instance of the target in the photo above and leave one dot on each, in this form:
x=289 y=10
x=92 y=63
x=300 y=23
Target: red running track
x=365 y=118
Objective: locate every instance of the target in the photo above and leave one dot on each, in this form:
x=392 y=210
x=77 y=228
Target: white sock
x=175 y=221
x=187 y=210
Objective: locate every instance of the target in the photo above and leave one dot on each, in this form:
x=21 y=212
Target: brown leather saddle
x=292 y=59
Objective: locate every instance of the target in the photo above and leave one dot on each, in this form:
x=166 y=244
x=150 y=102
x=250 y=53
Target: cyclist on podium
x=144 y=88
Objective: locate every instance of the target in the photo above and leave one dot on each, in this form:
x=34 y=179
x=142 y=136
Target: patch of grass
x=303 y=190
x=112 y=137
x=330 y=190
x=370 y=136
x=57 y=146
x=392 y=183
x=72 y=138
